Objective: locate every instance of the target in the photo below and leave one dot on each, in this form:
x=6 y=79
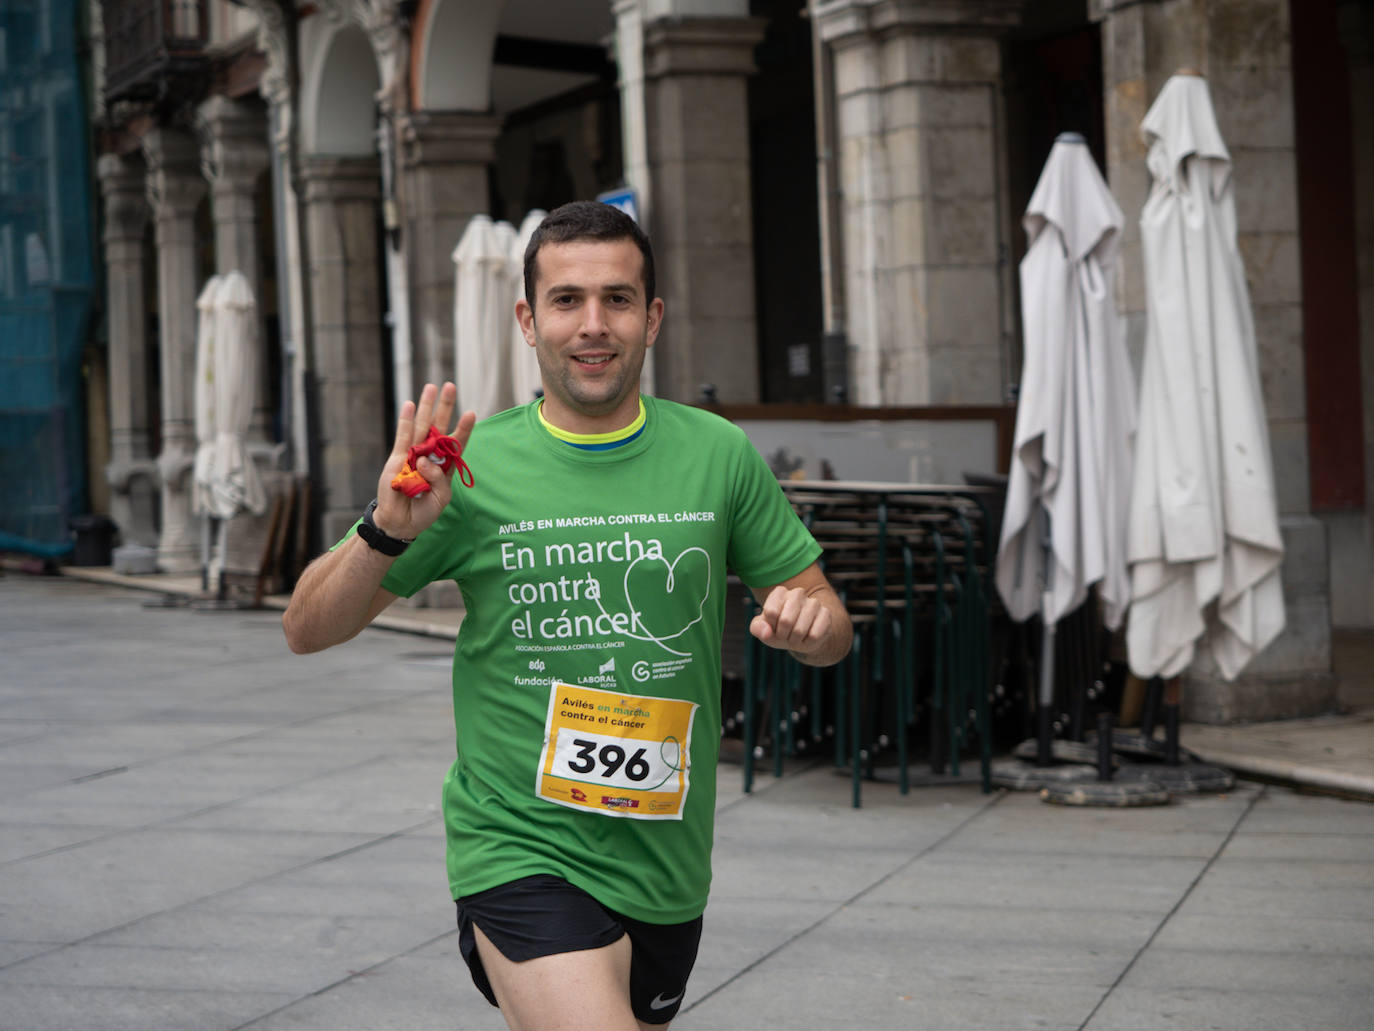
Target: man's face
x=590 y=327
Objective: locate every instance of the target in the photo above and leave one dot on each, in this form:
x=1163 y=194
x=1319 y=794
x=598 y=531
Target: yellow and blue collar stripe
x=597 y=441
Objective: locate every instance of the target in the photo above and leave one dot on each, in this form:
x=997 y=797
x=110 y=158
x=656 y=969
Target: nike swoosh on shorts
x=658 y=1002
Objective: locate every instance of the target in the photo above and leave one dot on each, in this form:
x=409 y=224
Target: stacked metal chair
x=912 y=566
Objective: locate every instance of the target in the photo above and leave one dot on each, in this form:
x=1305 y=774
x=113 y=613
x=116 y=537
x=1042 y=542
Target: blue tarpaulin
x=46 y=275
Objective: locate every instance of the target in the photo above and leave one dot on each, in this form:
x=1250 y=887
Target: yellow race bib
x=614 y=754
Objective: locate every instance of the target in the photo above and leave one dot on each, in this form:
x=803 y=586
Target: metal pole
x=1171 y=711
x=1044 y=750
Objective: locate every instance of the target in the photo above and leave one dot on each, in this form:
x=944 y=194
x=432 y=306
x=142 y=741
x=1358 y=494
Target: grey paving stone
x=819 y=1000
x=14 y=951
x=1042 y=880
x=739 y=932
x=115 y=743
x=60 y=1008
x=1268 y=933
x=892 y=940
x=1285 y=875
x=1215 y=896
x=1337 y=846
x=1240 y=970
x=1135 y=1009
x=223 y=923
x=91 y=888
x=427 y=990
x=350 y=891
x=24 y=840
x=1120 y=932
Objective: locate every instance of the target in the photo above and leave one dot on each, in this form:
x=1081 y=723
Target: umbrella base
x=1060 y=751
x=921 y=776
x=1107 y=794
x=1134 y=743
x=212 y=604
x=1023 y=776
x=1188 y=778
x=166 y=601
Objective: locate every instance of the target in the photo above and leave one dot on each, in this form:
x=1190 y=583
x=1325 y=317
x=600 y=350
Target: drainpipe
x=306 y=348
x=397 y=280
x=830 y=196
x=629 y=59
x=284 y=329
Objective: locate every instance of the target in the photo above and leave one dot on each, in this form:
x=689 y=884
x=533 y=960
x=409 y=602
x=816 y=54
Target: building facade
x=834 y=189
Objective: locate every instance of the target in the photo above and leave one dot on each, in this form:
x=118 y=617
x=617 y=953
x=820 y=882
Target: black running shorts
x=544 y=915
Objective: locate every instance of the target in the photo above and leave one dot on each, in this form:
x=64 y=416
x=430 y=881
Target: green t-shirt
x=588 y=663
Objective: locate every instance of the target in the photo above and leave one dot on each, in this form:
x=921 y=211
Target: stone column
x=443 y=183
x=1357 y=37
x=1244 y=52
x=234 y=155
x=175 y=187
x=132 y=473
x=918 y=123
x=702 y=219
x=341 y=197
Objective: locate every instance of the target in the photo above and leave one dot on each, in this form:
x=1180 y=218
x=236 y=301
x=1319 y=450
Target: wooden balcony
x=154 y=49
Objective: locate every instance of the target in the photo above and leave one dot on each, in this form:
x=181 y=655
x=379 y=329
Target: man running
x=591 y=550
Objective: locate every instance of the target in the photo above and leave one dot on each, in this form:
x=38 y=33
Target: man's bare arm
x=803 y=615
x=341 y=591
x=336 y=597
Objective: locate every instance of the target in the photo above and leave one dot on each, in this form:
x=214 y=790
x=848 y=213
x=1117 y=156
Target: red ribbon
x=440 y=450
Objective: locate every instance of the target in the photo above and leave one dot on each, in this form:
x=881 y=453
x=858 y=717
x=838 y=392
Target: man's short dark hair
x=588 y=220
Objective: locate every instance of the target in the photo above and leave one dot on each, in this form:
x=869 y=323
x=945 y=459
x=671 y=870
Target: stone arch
x=453 y=69
x=339 y=89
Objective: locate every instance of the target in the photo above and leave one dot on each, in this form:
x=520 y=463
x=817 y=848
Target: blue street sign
x=622 y=198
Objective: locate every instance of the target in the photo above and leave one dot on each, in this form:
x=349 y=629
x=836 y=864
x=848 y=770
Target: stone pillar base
x=1292 y=678
x=134 y=560
x=1258 y=699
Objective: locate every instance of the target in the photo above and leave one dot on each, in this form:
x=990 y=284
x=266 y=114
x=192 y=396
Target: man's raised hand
x=398 y=515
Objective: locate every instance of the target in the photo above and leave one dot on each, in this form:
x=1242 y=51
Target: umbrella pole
x=1044 y=736
x=205 y=554
x=1104 y=746
x=1150 y=708
x=1045 y=724
x=1172 y=693
x=220 y=559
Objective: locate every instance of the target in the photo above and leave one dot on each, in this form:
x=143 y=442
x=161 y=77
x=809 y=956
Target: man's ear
x=655 y=321
x=524 y=315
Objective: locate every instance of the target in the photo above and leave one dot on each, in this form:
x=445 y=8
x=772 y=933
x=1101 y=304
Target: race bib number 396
x=614 y=754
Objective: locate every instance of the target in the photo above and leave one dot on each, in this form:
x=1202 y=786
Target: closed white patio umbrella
x=1064 y=526
x=203 y=397
x=524 y=365
x=225 y=481
x=1076 y=413
x=483 y=305
x=1204 y=545
x=235 y=483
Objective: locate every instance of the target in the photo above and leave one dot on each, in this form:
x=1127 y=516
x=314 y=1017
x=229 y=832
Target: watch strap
x=378 y=539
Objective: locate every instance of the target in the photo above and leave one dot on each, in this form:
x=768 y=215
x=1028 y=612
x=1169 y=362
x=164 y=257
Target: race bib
x=614 y=754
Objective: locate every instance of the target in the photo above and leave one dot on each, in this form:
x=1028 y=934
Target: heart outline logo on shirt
x=671 y=585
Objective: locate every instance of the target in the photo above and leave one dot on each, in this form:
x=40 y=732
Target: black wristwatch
x=378 y=539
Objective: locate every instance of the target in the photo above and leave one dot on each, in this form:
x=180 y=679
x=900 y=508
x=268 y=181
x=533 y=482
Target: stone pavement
x=201 y=831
